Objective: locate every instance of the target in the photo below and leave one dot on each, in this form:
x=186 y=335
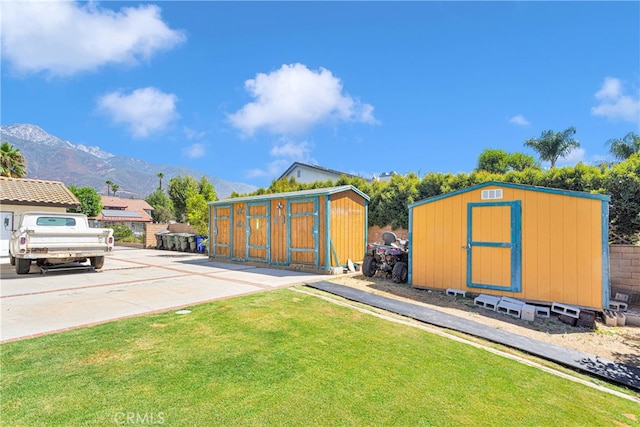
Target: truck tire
x=12 y=260
x=369 y=266
x=400 y=273
x=23 y=266
x=97 y=262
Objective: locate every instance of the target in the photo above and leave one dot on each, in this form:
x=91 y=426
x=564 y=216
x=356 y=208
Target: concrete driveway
x=133 y=282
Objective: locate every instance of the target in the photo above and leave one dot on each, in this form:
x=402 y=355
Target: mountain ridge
x=52 y=158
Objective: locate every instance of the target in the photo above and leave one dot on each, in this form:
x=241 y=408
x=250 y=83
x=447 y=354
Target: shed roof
x=294 y=194
x=34 y=192
x=557 y=191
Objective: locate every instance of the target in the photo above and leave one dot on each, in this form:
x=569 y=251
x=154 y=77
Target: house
x=533 y=243
x=305 y=173
x=19 y=195
x=133 y=213
x=317 y=229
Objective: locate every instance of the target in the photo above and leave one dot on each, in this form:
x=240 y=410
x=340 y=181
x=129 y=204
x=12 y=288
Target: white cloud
x=192 y=133
x=288 y=152
x=519 y=120
x=274 y=168
x=576 y=156
x=67 y=37
x=144 y=111
x=293 y=151
x=615 y=104
x=194 y=151
x=293 y=99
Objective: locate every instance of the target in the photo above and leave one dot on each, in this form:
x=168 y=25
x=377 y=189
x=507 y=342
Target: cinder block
x=506 y=307
x=528 y=312
x=621 y=297
x=632 y=318
x=456 y=292
x=621 y=319
x=610 y=319
x=512 y=300
x=617 y=305
x=487 y=301
x=587 y=319
x=568 y=319
x=565 y=309
x=543 y=312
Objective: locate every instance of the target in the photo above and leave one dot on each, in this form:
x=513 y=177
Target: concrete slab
x=133 y=282
x=619 y=373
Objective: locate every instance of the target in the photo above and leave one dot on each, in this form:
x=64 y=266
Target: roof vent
x=492 y=194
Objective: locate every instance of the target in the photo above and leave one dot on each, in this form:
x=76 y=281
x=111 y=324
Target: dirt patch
x=620 y=343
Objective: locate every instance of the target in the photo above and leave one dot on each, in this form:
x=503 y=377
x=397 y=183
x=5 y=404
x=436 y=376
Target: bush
x=122 y=233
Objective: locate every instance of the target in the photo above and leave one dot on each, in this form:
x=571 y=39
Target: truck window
x=56 y=221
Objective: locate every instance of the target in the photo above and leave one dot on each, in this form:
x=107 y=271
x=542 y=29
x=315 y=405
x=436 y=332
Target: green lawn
x=282 y=358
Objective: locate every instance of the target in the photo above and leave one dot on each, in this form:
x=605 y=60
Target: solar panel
x=122 y=214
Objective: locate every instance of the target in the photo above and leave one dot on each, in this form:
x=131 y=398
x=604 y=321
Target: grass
x=282 y=358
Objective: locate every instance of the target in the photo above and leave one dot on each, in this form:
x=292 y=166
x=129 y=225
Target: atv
x=390 y=257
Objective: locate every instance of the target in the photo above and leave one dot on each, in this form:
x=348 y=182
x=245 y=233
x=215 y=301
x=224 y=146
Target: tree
x=114 y=188
x=206 y=188
x=160 y=175
x=623 y=148
x=90 y=203
x=520 y=161
x=492 y=160
x=162 y=206
x=551 y=146
x=622 y=182
x=499 y=161
x=12 y=162
x=179 y=188
x=109 y=184
x=197 y=212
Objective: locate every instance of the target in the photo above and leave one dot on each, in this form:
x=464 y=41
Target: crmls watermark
x=138 y=418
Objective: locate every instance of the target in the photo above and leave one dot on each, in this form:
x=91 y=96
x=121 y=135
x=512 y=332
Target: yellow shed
x=320 y=228
x=533 y=243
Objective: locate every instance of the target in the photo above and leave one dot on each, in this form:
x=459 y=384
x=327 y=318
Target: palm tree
x=109 y=184
x=160 y=175
x=114 y=188
x=551 y=146
x=12 y=162
x=623 y=148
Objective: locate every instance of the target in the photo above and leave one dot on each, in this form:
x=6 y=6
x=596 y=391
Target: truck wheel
x=97 y=262
x=369 y=266
x=23 y=266
x=12 y=260
x=400 y=273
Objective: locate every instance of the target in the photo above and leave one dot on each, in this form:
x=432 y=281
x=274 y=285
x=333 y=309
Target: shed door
x=258 y=232
x=221 y=231
x=494 y=256
x=302 y=234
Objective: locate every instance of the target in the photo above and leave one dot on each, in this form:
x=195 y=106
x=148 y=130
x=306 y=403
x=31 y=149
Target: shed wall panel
x=347 y=225
x=278 y=231
x=240 y=231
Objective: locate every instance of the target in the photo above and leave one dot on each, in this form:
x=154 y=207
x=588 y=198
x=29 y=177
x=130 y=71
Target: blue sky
x=240 y=90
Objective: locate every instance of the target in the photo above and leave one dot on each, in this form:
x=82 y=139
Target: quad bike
x=390 y=257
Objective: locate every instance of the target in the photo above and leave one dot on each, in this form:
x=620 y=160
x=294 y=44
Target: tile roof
x=24 y=191
x=124 y=210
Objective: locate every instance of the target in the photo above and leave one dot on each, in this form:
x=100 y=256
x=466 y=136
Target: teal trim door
x=494 y=246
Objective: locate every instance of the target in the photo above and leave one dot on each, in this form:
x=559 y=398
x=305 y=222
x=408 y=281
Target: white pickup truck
x=58 y=238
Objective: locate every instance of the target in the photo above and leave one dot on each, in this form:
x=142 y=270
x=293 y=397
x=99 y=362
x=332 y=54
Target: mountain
x=52 y=158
